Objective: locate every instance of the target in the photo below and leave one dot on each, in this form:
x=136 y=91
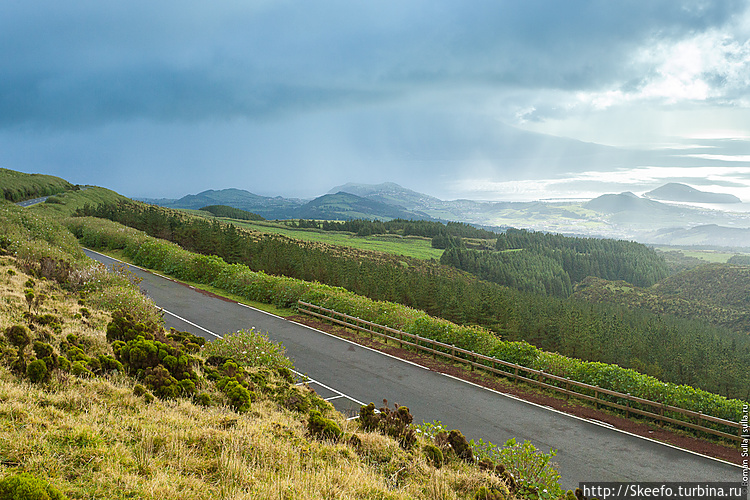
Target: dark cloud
x=83 y=63
x=291 y=98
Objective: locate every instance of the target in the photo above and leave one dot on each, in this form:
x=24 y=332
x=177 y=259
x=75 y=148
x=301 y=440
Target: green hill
x=18 y=186
x=343 y=206
x=268 y=207
x=715 y=293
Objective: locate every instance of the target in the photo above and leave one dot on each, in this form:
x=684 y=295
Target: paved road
x=28 y=203
x=586 y=451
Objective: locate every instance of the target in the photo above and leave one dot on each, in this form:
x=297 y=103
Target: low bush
x=18 y=336
x=395 y=423
x=24 y=486
x=434 y=455
x=323 y=428
x=249 y=348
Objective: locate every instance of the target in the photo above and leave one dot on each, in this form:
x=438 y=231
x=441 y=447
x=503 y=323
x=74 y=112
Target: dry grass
x=93 y=438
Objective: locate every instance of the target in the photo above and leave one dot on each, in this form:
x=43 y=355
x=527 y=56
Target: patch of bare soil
x=570 y=406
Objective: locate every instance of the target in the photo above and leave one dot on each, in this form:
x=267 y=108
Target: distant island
x=675 y=191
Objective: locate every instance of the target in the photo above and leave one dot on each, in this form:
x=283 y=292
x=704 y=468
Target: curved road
x=586 y=451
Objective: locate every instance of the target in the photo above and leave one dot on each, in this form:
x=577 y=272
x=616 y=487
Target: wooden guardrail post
x=627 y=406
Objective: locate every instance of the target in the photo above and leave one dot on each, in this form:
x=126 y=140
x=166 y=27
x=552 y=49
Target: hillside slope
x=94 y=419
x=18 y=186
x=716 y=293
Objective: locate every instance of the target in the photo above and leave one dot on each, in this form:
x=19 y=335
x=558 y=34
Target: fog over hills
x=622 y=216
x=675 y=191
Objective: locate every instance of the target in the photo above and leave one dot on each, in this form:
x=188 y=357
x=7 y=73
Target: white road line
x=362 y=346
x=335 y=397
x=192 y=324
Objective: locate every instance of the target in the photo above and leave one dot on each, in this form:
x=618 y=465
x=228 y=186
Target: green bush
x=395 y=423
x=37 y=371
x=249 y=348
x=434 y=455
x=239 y=396
x=460 y=446
x=323 y=428
x=18 y=335
x=80 y=369
x=24 y=486
x=536 y=476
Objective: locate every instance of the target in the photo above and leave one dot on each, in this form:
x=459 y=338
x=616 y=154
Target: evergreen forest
x=675 y=350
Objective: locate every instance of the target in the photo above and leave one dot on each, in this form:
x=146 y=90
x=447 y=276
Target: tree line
x=424 y=228
x=551 y=264
x=675 y=350
x=231 y=212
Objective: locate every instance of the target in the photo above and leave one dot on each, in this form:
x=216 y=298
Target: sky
x=481 y=99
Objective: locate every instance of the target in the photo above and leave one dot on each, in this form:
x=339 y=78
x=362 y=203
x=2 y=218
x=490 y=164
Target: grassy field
x=712 y=256
x=65 y=204
x=409 y=246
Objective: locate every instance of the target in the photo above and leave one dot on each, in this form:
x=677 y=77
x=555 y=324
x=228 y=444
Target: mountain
x=270 y=208
x=682 y=192
x=343 y=205
x=390 y=193
x=625 y=202
x=619 y=216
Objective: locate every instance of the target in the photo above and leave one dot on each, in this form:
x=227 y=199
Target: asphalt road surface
x=351 y=374
x=28 y=203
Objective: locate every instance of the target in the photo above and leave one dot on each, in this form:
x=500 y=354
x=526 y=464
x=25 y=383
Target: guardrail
x=624 y=402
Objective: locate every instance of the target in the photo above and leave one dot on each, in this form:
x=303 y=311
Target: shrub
x=239 y=396
x=434 y=455
x=24 y=486
x=79 y=369
x=323 y=428
x=42 y=349
x=109 y=364
x=18 y=335
x=536 y=475
x=249 y=348
x=395 y=423
x=124 y=327
x=37 y=371
x=460 y=446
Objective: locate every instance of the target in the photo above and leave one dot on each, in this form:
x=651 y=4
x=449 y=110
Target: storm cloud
x=270 y=92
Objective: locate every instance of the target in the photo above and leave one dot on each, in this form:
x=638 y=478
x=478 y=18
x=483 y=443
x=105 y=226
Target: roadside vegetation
x=708 y=357
x=101 y=401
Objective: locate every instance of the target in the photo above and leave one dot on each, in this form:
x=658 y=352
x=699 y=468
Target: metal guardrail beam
x=533 y=376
